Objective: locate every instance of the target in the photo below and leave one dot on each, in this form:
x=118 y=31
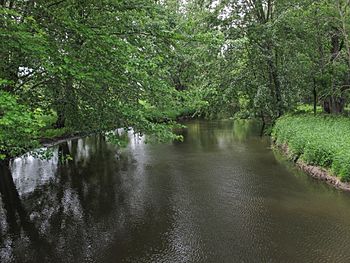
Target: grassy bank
x=317 y=140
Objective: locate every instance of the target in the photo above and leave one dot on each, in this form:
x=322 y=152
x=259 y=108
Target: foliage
x=306 y=108
x=318 y=140
x=18 y=126
x=139 y=69
x=48 y=133
x=278 y=54
x=94 y=66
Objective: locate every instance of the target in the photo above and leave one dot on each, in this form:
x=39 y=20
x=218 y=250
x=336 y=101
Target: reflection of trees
x=214 y=135
x=17 y=217
x=88 y=203
x=244 y=129
x=57 y=215
x=199 y=136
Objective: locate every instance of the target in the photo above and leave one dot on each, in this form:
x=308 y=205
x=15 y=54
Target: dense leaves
x=94 y=66
x=280 y=53
x=18 y=126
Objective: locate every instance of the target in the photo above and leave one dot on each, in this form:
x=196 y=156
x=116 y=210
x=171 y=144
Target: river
x=221 y=195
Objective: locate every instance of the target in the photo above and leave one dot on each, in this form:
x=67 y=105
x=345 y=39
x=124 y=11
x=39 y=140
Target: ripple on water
x=220 y=196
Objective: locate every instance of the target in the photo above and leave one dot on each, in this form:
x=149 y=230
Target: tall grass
x=317 y=140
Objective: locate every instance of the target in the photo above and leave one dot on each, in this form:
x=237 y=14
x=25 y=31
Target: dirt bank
x=316 y=172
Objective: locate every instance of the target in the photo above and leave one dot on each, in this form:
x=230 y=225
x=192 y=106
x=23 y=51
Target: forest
x=84 y=66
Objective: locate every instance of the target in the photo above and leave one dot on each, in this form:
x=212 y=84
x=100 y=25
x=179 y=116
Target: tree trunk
x=263 y=124
x=64 y=102
x=334 y=105
x=314 y=91
x=276 y=86
x=60 y=119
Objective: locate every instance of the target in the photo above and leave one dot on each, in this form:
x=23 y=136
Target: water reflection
x=47 y=205
x=220 y=196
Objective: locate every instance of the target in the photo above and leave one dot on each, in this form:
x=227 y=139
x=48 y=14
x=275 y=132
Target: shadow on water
x=17 y=218
x=57 y=201
x=221 y=195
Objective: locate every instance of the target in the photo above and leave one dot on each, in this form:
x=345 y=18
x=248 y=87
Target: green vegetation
x=73 y=66
x=17 y=126
x=317 y=140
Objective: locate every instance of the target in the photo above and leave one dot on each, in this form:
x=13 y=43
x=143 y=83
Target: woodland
x=85 y=66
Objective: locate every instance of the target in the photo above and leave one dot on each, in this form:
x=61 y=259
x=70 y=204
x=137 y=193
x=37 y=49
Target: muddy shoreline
x=315 y=172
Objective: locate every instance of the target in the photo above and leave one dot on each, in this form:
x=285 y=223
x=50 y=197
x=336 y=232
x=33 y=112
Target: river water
x=222 y=195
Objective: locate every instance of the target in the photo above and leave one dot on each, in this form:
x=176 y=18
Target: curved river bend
x=222 y=195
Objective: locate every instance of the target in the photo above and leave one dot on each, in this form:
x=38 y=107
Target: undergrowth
x=317 y=140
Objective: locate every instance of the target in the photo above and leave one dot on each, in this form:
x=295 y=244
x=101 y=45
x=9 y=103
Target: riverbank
x=319 y=145
x=315 y=172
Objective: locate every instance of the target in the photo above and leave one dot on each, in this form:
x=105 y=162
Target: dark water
x=220 y=196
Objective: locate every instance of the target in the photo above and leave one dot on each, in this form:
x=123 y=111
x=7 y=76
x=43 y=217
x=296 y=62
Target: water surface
x=222 y=195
